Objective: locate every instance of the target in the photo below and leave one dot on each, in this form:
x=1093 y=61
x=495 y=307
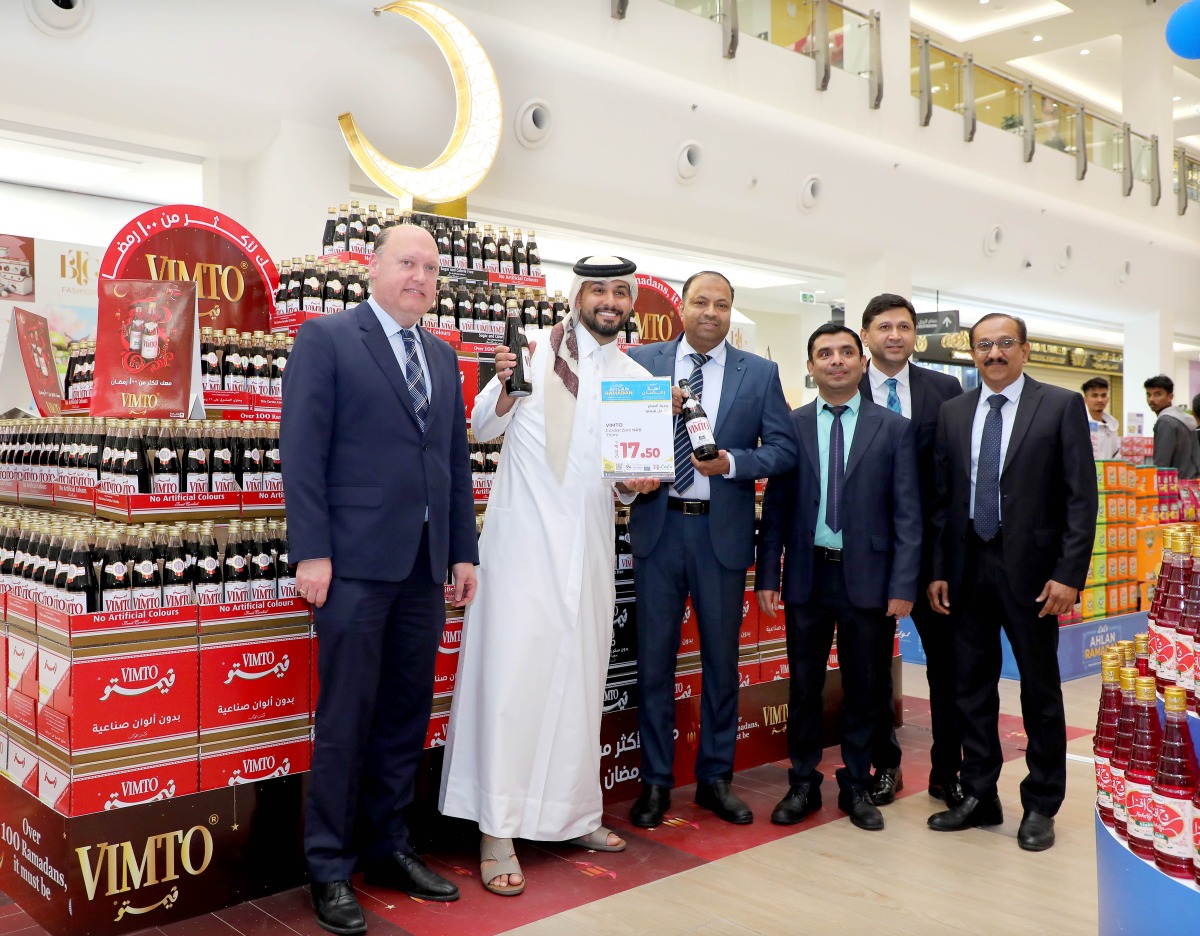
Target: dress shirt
x=710 y=399
x=392 y=329
x=879 y=388
x=1106 y=439
x=1008 y=413
x=823 y=535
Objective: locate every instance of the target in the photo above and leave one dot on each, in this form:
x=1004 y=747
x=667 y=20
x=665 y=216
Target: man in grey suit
x=697 y=536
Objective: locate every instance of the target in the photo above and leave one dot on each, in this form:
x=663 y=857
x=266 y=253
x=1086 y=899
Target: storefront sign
x=657 y=309
x=147 y=362
x=234 y=276
x=955 y=348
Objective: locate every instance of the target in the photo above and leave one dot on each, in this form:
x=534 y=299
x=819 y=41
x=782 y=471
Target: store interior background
x=234 y=106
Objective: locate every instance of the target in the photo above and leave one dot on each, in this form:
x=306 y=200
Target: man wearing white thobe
x=523 y=746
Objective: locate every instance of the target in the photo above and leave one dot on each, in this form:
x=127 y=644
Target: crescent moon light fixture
x=472 y=148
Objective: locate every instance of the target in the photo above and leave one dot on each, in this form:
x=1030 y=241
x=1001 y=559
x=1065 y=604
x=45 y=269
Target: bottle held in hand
x=704 y=444
x=518 y=383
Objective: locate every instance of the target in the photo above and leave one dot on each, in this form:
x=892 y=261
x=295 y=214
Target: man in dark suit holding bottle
x=378 y=489
x=848 y=528
x=697 y=536
x=889 y=328
x=1014 y=523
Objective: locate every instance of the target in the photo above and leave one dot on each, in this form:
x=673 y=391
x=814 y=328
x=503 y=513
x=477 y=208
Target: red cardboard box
x=20 y=612
x=166 y=508
x=689 y=634
x=688 y=682
x=22 y=657
x=132 y=698
x=435 y=735
x=22 y=712
x=23 y=761
x=446 y=668
x=749 y=633
x=254 y=757
x=748 y=671
x=315 y=676
x=254 y=615
x=111 y=627
x=773 y=666
x=258 y=677
x=131 y=781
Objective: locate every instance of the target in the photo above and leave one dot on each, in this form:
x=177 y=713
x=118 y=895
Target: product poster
x=234 y=277
x=32 y=335
x=146 y=349
x=16 y=268
x=657 y=309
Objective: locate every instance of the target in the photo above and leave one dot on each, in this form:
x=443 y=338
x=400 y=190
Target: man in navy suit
x=379 y=502
x=1014 y=524
x=889 y=328
x=697 y=536
x=848 y=527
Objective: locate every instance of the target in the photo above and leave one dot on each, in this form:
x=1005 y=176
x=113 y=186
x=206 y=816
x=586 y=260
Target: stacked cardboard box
x=1111 y=586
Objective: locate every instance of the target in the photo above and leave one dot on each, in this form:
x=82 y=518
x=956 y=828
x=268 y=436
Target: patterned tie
x=415 y=377
x=893 y=400
x=837 y=470
x=685 y=473
x=987 y=472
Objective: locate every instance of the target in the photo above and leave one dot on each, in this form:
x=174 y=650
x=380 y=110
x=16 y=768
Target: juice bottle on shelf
x=1143 y=763
x=1189 y=624
x=1141 y=654
x=1173 y=790
x=1156 y=602
x=1171 y=609
x=1122 y=748
x=1106 y=737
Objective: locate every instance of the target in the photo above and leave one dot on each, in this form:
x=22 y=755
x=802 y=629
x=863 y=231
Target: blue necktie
x=893 y=400
x=987 y=472
x=837 y=470
x=415 y=377
x=685 y=473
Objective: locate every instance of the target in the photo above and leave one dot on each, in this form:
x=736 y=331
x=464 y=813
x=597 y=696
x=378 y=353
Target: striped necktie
x=987 y=472
x=685 y=473
x=415 y=376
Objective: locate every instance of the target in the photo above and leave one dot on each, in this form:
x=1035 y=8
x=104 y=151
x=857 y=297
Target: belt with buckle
x=691 y=508
x=829 y=555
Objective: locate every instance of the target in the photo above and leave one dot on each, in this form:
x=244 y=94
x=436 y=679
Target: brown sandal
x=500 y=851
x=597 y=840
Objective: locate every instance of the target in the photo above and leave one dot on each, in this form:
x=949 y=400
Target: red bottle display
x=1170 y=609
x=1173 y=790
x=1122 y=748
x=1106 y=737
x=1143 y=764
x=1185 y=634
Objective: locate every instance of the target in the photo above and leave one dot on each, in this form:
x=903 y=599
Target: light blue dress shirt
x=823 y=535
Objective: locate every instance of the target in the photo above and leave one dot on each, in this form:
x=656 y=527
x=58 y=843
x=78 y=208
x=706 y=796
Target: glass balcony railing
x=1190 y=171
x=1142 y=157
x=1103 y=143
x=1054 y=123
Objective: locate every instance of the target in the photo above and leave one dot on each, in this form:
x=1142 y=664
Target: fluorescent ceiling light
x=1037 y=38
x=57 y=167
x=1085 y=51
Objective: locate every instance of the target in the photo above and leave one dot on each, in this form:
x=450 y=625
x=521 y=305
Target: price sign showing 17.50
x=637 y=436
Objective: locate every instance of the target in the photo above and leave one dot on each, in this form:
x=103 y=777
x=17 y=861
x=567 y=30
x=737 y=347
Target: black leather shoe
x=720 y=798
x=886 y=784
x=337 y=908
x=651 y=806
x=407 y=873
x=969 y=814
x=950 y=792
x=802 y=800
x=863 y=813
x=1036 y=832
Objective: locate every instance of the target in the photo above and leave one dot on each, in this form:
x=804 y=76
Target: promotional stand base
x=1135 y=897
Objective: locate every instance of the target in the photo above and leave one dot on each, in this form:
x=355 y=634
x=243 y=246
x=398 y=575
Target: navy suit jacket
x=929 y=389
x=881 y=532
x=357 y=470
x=753 y=408
x=1047 y=491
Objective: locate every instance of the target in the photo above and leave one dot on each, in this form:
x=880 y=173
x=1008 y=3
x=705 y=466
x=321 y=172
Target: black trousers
x=377 y=649
x=984 y=605
x=945 y=755
x=865 y=639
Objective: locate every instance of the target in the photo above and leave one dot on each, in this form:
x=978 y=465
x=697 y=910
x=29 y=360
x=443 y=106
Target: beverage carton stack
x=1111 y=586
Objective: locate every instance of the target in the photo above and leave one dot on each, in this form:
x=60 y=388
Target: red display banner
x=28 y=369
x=657 y=310
x=146 y=358
x=234 y=276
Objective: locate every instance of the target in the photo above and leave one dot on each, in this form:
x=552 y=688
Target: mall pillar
x=1148 y=351
x=1147 y=86
x=889 y=273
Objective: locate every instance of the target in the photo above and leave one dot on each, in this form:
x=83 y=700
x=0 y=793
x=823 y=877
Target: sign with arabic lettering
x=234 y=276
x=657 y=309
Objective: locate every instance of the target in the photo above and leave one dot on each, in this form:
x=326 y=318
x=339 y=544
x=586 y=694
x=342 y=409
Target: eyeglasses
x=1004 y=344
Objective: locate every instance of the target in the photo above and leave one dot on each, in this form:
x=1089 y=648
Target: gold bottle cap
x=344 y=207
x=1108 y=671
x=1141 y=642
x=1174 y=699
x=1145 y=689
x=1129 y=678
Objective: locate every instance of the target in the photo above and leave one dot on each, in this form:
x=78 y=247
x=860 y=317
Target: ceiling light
x=1037 y=38
x=1085 y=51
x=1177 y=98
x=57 y=167
x=983 y=1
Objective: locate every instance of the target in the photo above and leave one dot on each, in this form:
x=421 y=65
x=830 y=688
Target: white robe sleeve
x=485 y=424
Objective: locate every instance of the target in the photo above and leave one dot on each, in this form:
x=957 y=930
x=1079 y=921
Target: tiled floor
x=562 y=878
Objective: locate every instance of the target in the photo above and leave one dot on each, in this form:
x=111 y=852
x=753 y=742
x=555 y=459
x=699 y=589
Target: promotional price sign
x=147 y=363
x=638 y=437
x=28 y=368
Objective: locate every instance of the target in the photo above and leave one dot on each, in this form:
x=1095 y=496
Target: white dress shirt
x=392 y=329
x=710 y=398
x=1008 y=413
x=879 y=388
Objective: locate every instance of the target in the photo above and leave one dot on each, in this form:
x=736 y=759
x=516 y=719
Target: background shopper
x=1176 y=444
x=1015 y=519
x=1106 y=432
x=378 y=489
x=697 y=536
x=847 y=523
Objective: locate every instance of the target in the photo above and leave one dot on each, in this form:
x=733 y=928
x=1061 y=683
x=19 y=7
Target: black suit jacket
x=358 y=472
x=929 y=389
x=1047 y=491
x=881 y=535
